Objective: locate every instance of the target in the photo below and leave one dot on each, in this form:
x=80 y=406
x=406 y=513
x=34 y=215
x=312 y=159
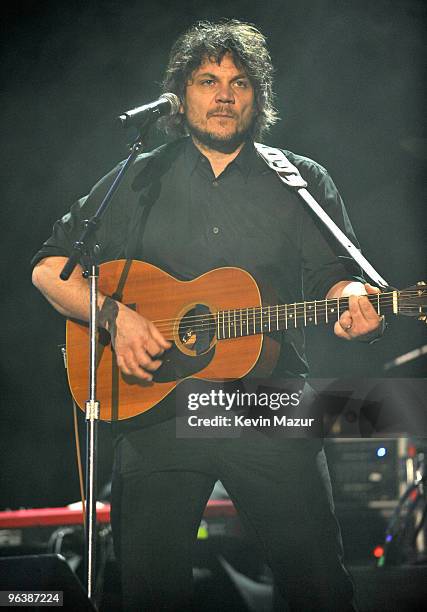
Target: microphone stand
x=85 y=251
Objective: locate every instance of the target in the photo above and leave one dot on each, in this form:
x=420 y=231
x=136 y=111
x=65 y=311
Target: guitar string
x=228 y=316
x=316 y=303
x=253 y=328
x=251 y=320
x=319 y=305
x=320 y=308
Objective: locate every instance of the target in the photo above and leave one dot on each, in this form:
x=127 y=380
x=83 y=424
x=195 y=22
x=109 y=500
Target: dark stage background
x=349 y=83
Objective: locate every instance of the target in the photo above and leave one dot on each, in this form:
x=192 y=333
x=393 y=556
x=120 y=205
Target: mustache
x=222 y=110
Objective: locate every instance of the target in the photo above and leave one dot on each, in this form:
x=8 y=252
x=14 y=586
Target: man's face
x=219 y=105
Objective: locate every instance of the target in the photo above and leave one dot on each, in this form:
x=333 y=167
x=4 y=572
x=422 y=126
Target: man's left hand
x=360 y=321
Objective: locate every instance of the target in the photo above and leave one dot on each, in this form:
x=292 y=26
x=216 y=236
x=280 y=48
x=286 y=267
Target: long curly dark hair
x=213 y=40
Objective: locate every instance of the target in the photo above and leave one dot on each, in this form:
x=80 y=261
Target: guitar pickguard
x=177 y=365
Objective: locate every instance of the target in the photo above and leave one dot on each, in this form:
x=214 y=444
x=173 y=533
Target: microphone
x=167 y=104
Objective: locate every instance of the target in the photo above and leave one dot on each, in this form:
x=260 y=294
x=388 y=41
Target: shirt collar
x=247 y=160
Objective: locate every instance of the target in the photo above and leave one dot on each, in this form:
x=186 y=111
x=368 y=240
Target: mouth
x=222 y=115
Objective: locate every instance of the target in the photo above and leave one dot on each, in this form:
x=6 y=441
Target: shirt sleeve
x=110 y=235
x=325 y=262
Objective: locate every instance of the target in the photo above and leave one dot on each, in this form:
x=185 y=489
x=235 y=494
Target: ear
x=181 y=110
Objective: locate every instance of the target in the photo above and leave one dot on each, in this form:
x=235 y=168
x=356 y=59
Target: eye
x=242 y=83
x=207 y=82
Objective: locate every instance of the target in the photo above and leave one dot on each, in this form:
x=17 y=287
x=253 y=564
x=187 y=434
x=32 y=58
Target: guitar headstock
x=412 y=302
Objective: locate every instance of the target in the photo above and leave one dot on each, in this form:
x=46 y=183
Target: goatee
x=225 y=145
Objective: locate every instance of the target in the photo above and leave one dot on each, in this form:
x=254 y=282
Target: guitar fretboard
x=263 y=319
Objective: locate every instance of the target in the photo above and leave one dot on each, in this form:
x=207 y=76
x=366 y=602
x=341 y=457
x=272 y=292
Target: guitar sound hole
x=196 y=330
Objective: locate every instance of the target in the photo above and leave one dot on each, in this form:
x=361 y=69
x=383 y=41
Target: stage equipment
x=44 y=573
x=85 y=251
x=405 y=537
x=40 y=532
x=368 y=476
x=379 y=493
x=34 y=529
x=142 y=116
x=367 y=473
x=406 y=357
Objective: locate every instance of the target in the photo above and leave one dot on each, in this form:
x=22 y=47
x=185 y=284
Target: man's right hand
x=137 y=342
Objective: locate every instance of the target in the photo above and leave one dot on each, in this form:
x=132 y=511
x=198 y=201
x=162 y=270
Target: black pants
x=281 y=489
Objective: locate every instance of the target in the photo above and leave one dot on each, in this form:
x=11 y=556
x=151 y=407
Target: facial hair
x=227 y=144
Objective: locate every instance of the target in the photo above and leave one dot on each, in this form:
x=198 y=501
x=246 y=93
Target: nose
x=224 y=94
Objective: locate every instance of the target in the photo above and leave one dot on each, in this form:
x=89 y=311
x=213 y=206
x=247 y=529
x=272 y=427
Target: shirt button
x=215 y=230
x=215 y=183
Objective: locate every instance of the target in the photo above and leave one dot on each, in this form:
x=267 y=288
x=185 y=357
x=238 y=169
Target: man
x=203 y=202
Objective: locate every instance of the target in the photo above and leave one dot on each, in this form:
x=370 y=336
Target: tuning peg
x=421 y=283
x=423 y=318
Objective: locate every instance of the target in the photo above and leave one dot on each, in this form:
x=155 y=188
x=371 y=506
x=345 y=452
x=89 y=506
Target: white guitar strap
x=290 y=176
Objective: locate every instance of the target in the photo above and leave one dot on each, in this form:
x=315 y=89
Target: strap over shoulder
x=291 y=177
x=277 y=160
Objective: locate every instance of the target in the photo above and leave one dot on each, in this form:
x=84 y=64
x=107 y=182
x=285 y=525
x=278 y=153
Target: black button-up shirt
x=171 y=211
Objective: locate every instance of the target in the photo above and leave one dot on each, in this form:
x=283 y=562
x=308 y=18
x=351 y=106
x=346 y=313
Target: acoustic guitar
x=218 y=324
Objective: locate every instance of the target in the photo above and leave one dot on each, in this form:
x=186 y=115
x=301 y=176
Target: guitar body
x=219 y=328
x=173 y=306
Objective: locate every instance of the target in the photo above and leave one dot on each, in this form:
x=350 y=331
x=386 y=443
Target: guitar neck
x=263 y=319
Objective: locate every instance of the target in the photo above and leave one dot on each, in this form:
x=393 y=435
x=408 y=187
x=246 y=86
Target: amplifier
x=368 y=478
x=371 y=473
